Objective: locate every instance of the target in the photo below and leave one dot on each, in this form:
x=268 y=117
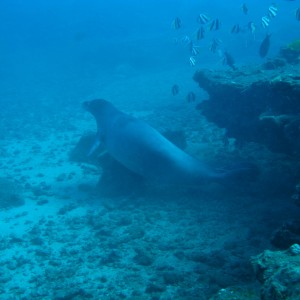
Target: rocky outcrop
x=287 y=235
x=257 y=104
x=279 y=273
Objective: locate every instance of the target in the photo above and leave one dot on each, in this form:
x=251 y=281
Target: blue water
x=62 y=239
x=75 y=37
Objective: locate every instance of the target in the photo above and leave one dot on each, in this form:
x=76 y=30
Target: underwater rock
x=153 y=288
x=9 y=194
x=295 y=249
x=287 y=235
x=173 y=278
x=67 y=208
x=80 y=152
x=296 y=195
x=75 y=293
x=291 y=53
x=279 y=272
x=232 y=293
x=142 y=258
x=41 y=189
x=110 y=258
x=42 y=201
x=273 y=64
x=255 y=105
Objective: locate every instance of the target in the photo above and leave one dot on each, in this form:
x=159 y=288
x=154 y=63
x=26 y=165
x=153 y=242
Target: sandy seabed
x=68 y=242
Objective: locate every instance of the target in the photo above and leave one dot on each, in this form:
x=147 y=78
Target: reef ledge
x=255 y=103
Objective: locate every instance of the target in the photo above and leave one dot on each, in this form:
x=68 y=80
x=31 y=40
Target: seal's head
x=102 y=110
x=96 y=106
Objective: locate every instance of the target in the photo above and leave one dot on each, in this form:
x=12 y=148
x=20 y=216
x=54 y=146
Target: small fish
x=229 y=61
x=176 y=24
x=236 y=28
x=298 y=14
x=265 y=46
x=203 y=19
x=186 y=40
x=192 y=61
x=251 y=27
x=200 y=33
x=193 y=48
x=191 y=97
x=175 y=89
x=244 y=8
x=215 y=44
x=215 y=25
x=272 y=11
x=265 y=22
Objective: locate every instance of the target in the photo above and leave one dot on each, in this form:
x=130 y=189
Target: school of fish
x=208 y=25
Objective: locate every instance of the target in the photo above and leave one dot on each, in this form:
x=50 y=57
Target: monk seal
x=144 y=151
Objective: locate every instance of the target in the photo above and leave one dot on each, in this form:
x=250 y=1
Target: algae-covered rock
x=291 y=53
x=279 y=272
x=294 y=46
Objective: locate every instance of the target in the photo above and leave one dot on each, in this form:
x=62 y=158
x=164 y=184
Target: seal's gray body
x=143 y=150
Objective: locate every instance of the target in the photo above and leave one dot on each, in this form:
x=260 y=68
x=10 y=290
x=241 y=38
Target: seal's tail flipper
x=243 y=172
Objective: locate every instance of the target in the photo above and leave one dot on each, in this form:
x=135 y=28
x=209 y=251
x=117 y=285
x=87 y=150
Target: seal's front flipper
x=97 y=145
